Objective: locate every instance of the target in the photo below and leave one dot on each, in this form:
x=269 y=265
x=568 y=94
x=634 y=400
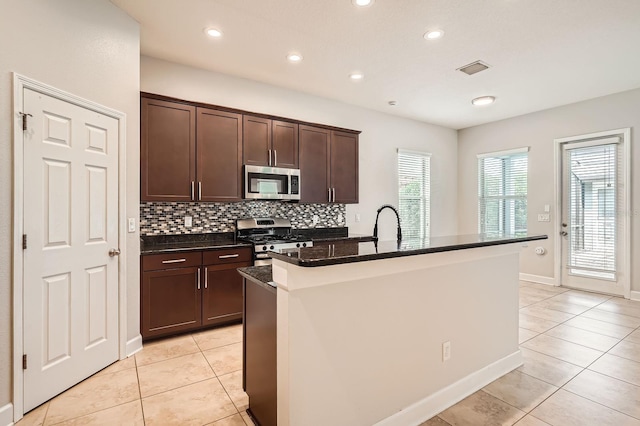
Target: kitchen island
x=362 y=328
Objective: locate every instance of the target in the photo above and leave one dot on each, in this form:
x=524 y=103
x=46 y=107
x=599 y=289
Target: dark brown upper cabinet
x=167 y=151
x=219 y=155
x=328 y=166
x=270 y=143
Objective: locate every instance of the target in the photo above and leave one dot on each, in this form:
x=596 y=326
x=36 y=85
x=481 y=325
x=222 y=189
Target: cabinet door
x=344 y=167
x=256 y=141
x=167 y=151
x=171 y=301
x=285 y=144
x=314 y=164
x=222 y=293
x=219 y=153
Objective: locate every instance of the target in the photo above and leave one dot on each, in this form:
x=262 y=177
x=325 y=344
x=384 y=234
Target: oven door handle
x=262 y=256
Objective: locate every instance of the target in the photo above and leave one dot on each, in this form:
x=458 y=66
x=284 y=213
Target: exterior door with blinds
x=592 y=229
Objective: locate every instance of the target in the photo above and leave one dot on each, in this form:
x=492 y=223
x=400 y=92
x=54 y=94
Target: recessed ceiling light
x=393 y=103
x=356 y=76
x=213 y=32
x=483 y=100
x=294 y=57
x=433 y=34
x=363 y=3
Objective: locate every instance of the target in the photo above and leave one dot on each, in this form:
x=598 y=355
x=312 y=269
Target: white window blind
x=414 y=187
x=592 y=203
x=502 y=192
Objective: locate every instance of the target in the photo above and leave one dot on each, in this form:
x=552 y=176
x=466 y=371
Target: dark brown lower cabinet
x=171 y=301
x=260 y=380
x=222 y=294
x=179 y=294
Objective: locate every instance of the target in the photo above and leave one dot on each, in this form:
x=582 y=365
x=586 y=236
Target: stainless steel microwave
x=271 y=183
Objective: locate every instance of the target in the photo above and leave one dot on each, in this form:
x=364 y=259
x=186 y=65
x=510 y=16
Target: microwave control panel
x=295 y=184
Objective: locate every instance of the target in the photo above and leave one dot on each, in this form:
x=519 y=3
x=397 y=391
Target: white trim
x=20 y=83
x=433 y=404
x=503 y=153
x=538 y=279
x=635 y=295
x=409 y=151
x=592 y=142
x=133 y=345
x=6 y=415
x=625 y=134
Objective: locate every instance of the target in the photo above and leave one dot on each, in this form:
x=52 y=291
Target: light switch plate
x=188 y=221
x=131 y=224
x=543 y=217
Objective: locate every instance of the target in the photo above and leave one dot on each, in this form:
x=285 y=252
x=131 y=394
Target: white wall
x=90 y=49
x=381 y=135
x=538 y=130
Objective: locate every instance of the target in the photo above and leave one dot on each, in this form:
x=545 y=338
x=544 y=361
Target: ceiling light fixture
x=294 y=57
x=356 y=76
x=363 y=3
x=393 y=103
x=483 y=100
x=433 y=34
x=213 y=32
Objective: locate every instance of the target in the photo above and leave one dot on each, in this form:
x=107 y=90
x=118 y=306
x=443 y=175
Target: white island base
x=362 y=343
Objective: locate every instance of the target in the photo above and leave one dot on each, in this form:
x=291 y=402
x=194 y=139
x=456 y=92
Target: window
x=502 y=192
x=413 y=193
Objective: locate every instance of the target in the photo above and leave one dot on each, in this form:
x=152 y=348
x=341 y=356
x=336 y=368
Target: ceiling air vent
x=473 y=67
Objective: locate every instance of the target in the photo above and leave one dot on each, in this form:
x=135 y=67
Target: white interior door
x=70 y=219
x=592 y=229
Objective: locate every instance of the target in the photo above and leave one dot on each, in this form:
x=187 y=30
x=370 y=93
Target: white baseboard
x=428 y=407
x=134 y=345
x=6 y=415
x=538 y=279
x=635 y=295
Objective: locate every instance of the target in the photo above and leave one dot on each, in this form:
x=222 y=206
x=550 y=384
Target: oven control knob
x=304 y=244
x=271 y=247
x=264 y=248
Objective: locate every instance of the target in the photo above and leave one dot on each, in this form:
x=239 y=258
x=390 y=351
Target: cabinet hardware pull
x=275 y=157
x=269 y=157
x=334 y=194
x=193 y=190
x=206 y=277
x=329 y=194
x=199 y=190
x=198 y=279
x=228 y=256
x=174 y=261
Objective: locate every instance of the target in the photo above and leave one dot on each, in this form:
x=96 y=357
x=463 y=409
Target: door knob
x=564 y=225
x=114 y=252
x=564 y=233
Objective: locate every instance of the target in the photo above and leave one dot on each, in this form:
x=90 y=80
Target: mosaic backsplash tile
x=168 y=218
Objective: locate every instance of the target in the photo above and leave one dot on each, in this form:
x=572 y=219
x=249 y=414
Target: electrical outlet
x=446 y=351
x=357 y=217
x=316 y=219
x=131 y=224
x=543 y=217
x=340 y=218
x=188 y=221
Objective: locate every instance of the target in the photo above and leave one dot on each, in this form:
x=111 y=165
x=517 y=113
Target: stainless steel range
x=268 y=234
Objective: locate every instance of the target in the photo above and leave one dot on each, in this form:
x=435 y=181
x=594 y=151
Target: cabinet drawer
x=171 y=260
x=219 y=257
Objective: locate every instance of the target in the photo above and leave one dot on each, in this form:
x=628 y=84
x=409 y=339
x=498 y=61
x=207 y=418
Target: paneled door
x=71 y=222
x=592 y=228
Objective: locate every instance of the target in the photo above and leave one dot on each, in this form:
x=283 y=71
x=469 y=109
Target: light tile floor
x=581 y=367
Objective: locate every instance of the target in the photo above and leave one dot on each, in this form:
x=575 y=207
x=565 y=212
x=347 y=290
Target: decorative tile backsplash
x=168 y=218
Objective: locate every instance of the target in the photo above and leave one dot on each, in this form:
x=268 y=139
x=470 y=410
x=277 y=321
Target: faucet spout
x=375 y=228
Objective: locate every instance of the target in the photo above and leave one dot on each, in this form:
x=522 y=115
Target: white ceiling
x=543 y=53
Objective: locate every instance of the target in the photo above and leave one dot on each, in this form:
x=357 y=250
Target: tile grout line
x=144 y=419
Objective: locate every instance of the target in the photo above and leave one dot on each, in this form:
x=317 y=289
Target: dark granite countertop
x=156 y=244
x=349 y=252
x=259 y=274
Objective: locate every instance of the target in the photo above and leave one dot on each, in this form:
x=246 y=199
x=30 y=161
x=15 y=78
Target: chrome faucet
x=375 y=228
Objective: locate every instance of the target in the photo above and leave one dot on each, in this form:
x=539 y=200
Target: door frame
x=20 y=83
x=625 y=135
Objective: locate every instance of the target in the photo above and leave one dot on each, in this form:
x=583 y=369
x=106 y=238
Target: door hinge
x=24 y=361
x=24 y=120
x=24 y=241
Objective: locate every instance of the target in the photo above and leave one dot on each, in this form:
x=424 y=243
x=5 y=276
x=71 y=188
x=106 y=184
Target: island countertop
x=354 y=251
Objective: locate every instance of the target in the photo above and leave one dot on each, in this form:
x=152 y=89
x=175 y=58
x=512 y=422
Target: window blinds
x=502 y=193
x=592 y=197
x=414 y=189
